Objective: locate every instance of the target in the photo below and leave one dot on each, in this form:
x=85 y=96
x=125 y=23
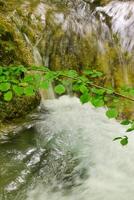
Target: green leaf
x=59 y=89
x=6 y=73
x=85 y=98
x=92 y=73
x=44 y=85
x=1 y=70
x=50 y=76
x=8 y=96
x=28 y=78
x=37 y=77
x=96 y=74
x=98 y=91
x=29 y=91
x=97 y=102
x=112 y=113
x=126 y=122
x=22 y=68
x=3 y=78
x=83 y=79
x=124 y=141
x=18 y=90
x=5 y=87
x=109 y=91
x=131 y=128
x=23 y=84
x=131 y=92
x=17 y=70
x=72 y=74
x=83 y=89
x=76 y=87
x=14 y=81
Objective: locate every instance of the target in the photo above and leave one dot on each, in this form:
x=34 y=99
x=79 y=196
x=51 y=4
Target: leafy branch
x=27 y=81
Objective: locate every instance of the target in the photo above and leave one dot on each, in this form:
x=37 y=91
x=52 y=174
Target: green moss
x=13 y=49
x=117 y=65
x=18 y=107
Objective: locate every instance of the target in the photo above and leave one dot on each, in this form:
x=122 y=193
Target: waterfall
x=45 y=94
x=122 y=14
x=81 y=34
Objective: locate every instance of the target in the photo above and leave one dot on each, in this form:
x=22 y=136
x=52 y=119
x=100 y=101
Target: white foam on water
x=87 y=131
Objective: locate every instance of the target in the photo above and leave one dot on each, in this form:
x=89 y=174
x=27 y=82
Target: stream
x=68 y=155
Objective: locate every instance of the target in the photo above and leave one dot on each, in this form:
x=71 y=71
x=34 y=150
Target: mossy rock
x=18 y=107
x=13 y=49
x=13 y=52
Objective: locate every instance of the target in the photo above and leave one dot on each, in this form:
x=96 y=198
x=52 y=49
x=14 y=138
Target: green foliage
x=123 y=140
x=127 y=91
x=98 y=91
x=131 y=127
x=5 y=87
x=71 y=73
x=84 y=98
x=18 y=90
x=44 y=85
x=8 y=96
x=22 y=81
x=92 y=73
x=59 y=89
x=97 y=101
x=112 y=113
x=126 y=122
x=83 y=89
x=29 y=91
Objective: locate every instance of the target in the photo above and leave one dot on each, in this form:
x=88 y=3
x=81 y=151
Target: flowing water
x=122 y=15
x=67 y=154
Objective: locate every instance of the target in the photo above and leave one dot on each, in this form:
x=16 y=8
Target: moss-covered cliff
x=14 y=52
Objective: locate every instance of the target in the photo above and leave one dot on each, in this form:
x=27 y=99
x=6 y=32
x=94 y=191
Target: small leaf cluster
x=130 y=123
x=20 y=81
x=128 y=91
x=123 y=140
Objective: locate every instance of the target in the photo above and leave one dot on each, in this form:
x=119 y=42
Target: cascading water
x=68 y=34
x=122 y=15
x=69 y=154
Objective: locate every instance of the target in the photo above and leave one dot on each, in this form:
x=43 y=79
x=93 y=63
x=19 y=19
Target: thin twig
x=100 y=87
x=116 y=93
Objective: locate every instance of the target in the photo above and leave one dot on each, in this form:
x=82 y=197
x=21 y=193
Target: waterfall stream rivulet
x=68 y=154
